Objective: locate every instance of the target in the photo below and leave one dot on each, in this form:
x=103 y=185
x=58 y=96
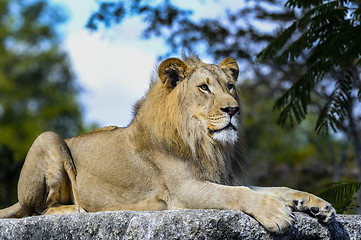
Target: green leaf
x=293 y=103
x=277 y=43
x=340 y=194
x=336 y=107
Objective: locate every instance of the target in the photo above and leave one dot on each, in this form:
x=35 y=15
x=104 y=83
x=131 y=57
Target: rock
x=172 y=224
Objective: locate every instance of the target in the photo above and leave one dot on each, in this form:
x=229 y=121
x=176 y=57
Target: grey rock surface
x=172 y=224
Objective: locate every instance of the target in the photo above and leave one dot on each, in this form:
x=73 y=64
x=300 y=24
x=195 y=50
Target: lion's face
x=208 y=94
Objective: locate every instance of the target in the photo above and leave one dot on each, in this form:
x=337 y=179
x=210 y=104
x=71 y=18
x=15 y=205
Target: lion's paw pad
x=324 y=214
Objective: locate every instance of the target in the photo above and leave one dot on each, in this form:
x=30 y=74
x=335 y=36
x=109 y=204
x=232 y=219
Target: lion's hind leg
x=47 y=180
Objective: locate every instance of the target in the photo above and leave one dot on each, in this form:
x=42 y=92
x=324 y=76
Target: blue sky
x=114 y=65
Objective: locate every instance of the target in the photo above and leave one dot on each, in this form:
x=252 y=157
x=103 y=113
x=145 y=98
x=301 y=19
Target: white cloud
x=114 y=75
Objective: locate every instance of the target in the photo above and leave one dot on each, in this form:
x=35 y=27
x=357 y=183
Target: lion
x=182 y=150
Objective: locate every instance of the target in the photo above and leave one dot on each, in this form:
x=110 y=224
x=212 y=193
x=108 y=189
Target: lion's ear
x=171 y=71
x=231 y=65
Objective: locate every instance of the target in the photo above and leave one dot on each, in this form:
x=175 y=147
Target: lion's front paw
x=274 y=215
x=314 y=206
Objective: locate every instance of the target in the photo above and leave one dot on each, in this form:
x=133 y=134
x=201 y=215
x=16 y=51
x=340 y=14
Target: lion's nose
x=230 y=110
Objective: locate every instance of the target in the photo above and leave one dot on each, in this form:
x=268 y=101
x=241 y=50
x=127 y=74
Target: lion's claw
x=280 y=217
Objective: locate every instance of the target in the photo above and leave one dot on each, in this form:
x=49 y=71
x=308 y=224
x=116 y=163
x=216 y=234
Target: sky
x=114 y=66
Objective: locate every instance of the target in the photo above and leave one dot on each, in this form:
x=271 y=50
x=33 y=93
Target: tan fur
x=182 y=150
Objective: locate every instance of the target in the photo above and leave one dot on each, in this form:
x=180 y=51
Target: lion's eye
x=204 y=87
x=230 y=86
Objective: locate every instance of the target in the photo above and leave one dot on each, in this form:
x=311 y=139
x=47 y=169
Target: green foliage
x=280 y=156
x=341 y=195
x=37 y=88
x=335 y=109
x=328 y=34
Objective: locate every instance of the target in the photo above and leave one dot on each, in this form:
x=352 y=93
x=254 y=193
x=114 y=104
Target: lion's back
x=95 y=146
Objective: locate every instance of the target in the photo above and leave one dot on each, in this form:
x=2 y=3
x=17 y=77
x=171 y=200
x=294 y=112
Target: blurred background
x=71 y=66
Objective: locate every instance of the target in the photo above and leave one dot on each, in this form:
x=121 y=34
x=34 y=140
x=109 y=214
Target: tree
x=236 y=34
x=37 y=87
x=286 y=156
x=328 y=34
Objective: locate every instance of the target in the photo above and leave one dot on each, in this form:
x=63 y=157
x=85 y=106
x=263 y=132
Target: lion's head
x=192 y=108
x=207 y=94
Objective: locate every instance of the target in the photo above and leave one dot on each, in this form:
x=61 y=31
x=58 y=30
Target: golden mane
x=165 y=122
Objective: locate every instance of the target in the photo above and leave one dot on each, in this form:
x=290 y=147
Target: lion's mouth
x=230 y=126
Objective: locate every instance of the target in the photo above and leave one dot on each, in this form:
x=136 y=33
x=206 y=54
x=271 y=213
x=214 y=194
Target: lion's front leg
x=272 y=213
x=302 y=202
